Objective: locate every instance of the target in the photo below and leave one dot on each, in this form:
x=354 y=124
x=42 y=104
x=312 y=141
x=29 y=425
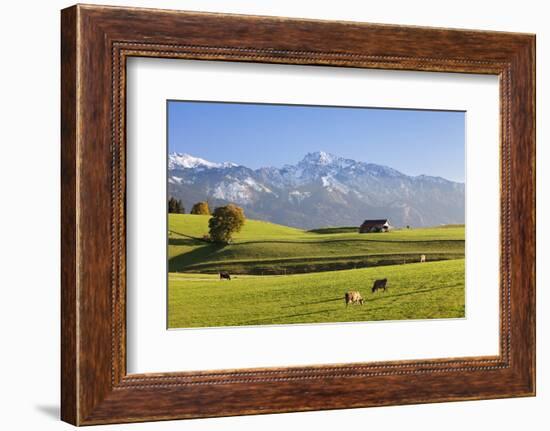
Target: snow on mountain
x=175 y=180
x=332 y=184
x=186 y=161
x=239 y=191
x=320 y=190
x=233 y=191
x=321 y=164
x=256 y=186
x=298 y=196
x=320 y=158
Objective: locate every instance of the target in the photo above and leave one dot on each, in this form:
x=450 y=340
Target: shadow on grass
x=267 y=320
x=185 y=241
x=277 y=319
x=207 y=261
x=365 y=240
x=340 y=298
x=197 y=255
x=190 y=237
x=389 y=295
x=367 y=301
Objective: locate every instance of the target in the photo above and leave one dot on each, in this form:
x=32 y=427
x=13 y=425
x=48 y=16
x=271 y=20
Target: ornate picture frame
x=96 y=41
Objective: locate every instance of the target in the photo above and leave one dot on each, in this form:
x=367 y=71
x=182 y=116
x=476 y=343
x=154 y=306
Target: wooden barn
x=380 y=225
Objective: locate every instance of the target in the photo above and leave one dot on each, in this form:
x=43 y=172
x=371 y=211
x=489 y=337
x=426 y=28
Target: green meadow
x=283 y=275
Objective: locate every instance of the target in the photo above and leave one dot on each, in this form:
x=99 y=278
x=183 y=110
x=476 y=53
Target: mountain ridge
x=320 y=190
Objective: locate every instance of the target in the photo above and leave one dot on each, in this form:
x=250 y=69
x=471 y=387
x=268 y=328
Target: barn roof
x=377 y=222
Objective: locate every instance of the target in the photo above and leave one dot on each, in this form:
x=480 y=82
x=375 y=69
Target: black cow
x=225 y=275
x=379 y=284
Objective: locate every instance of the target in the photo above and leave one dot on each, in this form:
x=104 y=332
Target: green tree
x=225 y=221
x=175 y=206
x=171 y=205
x=201 y=208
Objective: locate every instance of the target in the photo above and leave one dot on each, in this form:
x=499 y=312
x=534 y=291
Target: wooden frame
x=96 y=41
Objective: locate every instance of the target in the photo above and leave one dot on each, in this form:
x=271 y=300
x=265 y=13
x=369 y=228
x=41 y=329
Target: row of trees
x=175 y=206
x=225 y=220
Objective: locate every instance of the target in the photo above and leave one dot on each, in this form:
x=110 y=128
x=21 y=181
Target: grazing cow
x=422 y=258
x=353 y=297
x=379 y=284
x=225 y=275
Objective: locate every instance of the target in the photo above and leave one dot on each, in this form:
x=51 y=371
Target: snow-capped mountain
x=321 y=190
x=186 y=161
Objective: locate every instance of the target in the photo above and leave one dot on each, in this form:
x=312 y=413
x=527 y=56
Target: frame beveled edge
x=95 y=388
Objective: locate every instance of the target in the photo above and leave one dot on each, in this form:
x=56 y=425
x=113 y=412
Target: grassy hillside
x=416 y=291
x=197 y=226
x=267 y=248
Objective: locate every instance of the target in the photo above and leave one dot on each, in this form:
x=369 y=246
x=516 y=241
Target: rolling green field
x=283 y=275
x=263 y=248
x=415 y=291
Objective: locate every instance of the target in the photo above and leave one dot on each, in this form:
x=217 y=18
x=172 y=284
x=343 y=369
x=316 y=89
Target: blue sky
x=254 y=135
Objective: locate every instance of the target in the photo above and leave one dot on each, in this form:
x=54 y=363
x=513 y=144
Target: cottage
x=381 y=225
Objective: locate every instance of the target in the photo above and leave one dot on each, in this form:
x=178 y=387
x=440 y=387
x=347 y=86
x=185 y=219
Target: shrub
x=201 y=208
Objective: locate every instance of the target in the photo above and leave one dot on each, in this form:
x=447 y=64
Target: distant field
x=415 y=291
x=331 y=230
x=264 y=248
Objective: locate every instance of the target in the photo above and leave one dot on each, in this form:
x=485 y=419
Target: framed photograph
x=263 y=214
x=286 y=225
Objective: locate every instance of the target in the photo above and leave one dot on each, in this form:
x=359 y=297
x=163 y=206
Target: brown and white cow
x=353 y=297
